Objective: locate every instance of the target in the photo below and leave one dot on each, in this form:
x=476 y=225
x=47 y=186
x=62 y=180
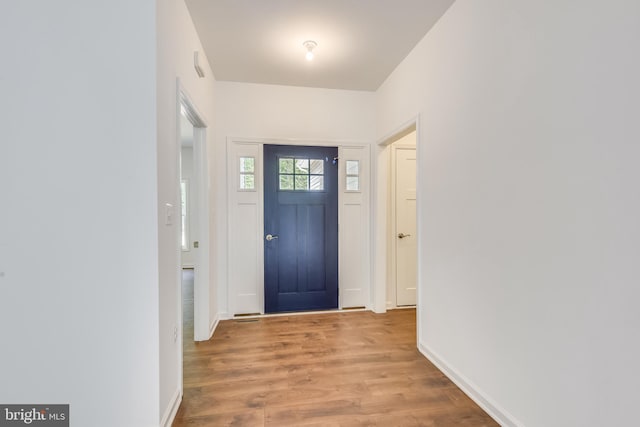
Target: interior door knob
x=402 y=235
x=270 y=237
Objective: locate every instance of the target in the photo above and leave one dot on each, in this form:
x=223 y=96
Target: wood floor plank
x=335 y=369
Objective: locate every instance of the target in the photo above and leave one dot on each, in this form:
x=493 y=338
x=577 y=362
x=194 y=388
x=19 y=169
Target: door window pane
x=302 y=166
x=285 y=165
x=316 y=183
x=301 y=174
x=317 y=167
x=302 y=182
x=286 y=182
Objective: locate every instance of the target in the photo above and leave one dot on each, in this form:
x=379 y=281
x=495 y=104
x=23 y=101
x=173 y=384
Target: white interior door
x=405 y=236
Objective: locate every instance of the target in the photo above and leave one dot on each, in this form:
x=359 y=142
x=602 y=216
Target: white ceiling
x=360 y=42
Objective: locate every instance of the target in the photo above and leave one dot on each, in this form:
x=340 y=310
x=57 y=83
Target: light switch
x=168 y=214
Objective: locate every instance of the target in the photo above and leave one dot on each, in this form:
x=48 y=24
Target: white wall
x=529 y=203
x=78 y=230
x=281 y=112
x=177 y=40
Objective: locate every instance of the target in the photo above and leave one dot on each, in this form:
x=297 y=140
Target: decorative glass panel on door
x=317 y=167
x=302 y=182
x=286 y=166
x=302 y=166
x=286 y=182
x=316 y=183
x=300 y=174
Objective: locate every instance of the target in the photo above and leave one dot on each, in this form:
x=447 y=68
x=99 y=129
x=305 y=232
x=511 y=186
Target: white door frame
x=382 y=215
x=392 y=297
x=347 y=296
x=200 y=216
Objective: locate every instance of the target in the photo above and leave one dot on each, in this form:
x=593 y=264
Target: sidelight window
x=353 y=175
x=247 y=173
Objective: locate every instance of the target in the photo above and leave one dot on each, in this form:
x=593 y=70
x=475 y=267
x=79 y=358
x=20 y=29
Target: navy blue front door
x=300 y=228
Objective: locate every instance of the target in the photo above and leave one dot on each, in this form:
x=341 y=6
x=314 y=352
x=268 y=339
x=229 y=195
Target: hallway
x=339 y=369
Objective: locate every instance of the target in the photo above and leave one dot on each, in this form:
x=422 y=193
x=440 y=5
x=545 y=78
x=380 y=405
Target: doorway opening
x=402 y=224
x=192 y=185
x=397 y=228
x=187 y=202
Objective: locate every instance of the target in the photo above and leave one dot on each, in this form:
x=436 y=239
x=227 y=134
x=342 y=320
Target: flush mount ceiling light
x=309 y=45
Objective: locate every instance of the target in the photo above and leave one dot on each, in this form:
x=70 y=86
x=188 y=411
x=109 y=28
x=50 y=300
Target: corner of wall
x=213 y=325
x=470 y=389
x=172 y=409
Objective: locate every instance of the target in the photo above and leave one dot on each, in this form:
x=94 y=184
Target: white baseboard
x=172 y=409
x=213 y=326
x=494 y=410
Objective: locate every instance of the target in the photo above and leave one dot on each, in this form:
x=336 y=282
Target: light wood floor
x=338 y=369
